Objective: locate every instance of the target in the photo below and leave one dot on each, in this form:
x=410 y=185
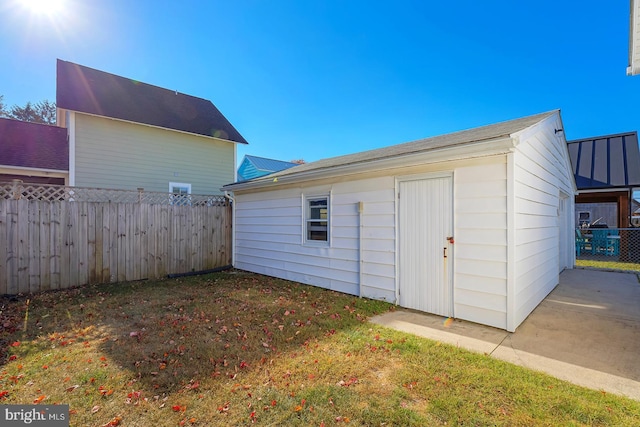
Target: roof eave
x=34 y=168
x=154 y=126
x=490 y=147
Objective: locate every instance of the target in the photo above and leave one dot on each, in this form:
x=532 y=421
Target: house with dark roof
x=34 y=153
x=606 y=170
x=475 y=225
x=126 y=134
x=255 y=167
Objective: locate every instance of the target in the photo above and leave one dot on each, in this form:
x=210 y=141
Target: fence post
x=16 y=191
x=140 y=191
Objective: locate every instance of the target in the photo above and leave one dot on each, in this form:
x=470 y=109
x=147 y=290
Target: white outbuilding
x=474 y=225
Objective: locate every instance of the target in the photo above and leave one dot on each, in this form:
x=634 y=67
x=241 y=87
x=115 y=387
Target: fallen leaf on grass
x=113 y=423
x=72 y=388
x=95 y=409
x=39 y=399
x=350 y=381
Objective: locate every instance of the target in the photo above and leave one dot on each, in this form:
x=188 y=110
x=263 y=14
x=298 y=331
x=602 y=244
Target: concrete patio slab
x=587 y=331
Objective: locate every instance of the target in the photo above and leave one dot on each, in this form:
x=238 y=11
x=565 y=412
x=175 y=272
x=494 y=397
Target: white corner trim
x=511 y=244
x=71 y=126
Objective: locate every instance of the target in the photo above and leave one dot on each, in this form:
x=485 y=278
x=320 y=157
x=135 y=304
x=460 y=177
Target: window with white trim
x=317 y=219
x=180 y=193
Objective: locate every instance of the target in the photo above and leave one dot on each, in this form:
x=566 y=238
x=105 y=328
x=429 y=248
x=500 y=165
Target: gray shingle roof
x=92 y=91
x=610 y=161
x=465 y=137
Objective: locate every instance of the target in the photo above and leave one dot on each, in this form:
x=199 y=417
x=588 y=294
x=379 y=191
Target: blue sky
x=316 y=79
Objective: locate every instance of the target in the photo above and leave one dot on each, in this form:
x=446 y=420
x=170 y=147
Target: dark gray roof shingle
x=33 y=145
x=92 y=91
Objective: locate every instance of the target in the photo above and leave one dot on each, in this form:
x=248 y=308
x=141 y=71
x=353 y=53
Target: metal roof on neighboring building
x=253 y=167
x=611 y=161
x=33 y=145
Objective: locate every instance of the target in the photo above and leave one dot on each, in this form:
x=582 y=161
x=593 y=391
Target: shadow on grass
x=233 y=348
x=171 y=335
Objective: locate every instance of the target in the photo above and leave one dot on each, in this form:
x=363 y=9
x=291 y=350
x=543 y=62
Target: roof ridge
x=133 y=80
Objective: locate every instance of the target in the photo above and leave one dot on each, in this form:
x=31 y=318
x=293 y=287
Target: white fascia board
x=634 y=38
x=476 y=149
x=51 y=172
x=556 y=127
x=552 y=121
x=606 y=190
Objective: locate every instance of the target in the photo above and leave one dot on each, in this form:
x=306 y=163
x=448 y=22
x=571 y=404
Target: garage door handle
x=445 y=252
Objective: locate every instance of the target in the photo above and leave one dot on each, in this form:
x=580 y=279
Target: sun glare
x=43 y=7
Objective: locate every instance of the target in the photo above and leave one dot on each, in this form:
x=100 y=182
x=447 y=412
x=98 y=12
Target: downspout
x=360 y=251
x=233 y=228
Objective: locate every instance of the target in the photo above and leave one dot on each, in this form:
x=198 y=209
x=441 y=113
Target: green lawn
x=235 y=348
x=609 y=265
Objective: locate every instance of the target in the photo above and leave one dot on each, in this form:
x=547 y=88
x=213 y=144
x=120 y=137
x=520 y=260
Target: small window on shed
x=317 y=219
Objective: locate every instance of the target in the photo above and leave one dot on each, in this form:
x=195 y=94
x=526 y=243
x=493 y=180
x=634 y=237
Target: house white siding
x=541 y=177
x=269 y=237
x=480 y=211
x=512 y=208
x=117 y=154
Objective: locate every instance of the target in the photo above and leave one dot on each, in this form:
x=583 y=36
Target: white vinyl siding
x=540 y=175
x=122 y=155
x=480 y=277
x=268 y=237
x=507 y=228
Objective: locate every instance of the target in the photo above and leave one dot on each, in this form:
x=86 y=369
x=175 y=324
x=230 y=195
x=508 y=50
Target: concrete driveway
x=586 y=331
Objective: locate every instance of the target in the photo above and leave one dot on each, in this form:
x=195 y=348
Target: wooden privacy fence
x=56 y=244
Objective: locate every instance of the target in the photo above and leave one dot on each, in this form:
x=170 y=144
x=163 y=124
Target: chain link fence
x=609 y=246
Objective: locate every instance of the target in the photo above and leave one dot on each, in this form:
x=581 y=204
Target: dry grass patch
x=236 y=348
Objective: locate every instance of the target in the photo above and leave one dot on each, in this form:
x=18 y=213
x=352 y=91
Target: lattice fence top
x=19 y=190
